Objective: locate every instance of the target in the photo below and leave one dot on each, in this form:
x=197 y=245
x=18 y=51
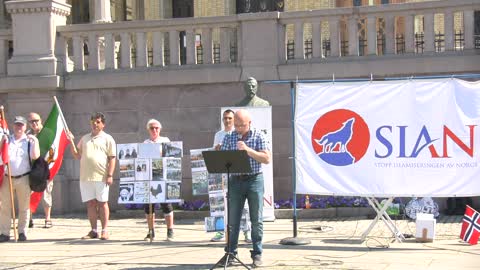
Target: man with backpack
x=19 y=163
x=36 y=125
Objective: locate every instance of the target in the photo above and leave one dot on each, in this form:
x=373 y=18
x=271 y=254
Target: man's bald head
x=242 y=121
x=243 y=114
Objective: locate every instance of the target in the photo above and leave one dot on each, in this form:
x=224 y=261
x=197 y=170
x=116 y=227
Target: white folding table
x=381 y=211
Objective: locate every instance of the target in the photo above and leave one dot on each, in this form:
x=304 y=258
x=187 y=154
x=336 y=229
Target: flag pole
x=65 y=123
x=9 y=174
x=294 y=240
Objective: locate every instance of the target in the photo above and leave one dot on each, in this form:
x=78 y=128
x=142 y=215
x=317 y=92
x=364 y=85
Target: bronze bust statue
x=251 y=99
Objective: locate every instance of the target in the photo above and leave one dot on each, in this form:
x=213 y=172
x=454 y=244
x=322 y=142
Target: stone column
x=191 y=49
x=299 y=42
x=353 y=36
x=334 y=25
x=409 y=33
x=34 y=25
x=225 y=34
x=317 y=39
x=141 y=50
x=372 y=34
x=468 y=26
x=390 y=34
x=259 y=45
x=429 y=32
x=207 y=45
x=101 y=14
x=449 y=31
x=230 y=8
x=158 y=46
x=126 y=50
x=174 y=47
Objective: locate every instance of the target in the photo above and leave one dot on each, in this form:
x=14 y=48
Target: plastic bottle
x=307 y=202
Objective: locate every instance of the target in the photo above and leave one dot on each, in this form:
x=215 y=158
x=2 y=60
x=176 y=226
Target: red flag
x=4 y=150
x=470 y=226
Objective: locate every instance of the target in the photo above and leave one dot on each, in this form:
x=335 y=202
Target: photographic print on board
x=217 y=204
x=126 y=192
x=173 y=192
x=215 y=182
x=127 y=169
x=196 y=154
x=172 y=149
x=142 y=169
x=174 y=163
x=199 y=183
x=149 y=150
x=174 y=175
x=198 y=165
x=157 y=191
x=141 y=192
x=157 y=169
x=126 y=151
x=214 y=224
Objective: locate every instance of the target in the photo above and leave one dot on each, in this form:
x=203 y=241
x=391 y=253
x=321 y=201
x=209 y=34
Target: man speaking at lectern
x=247 y=186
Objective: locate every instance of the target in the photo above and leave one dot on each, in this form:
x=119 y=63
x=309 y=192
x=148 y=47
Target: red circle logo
x=340 y=137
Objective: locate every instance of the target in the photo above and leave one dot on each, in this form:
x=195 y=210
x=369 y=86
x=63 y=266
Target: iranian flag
x=53 y=141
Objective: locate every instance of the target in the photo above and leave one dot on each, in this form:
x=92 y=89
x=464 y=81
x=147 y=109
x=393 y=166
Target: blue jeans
x=251 y=189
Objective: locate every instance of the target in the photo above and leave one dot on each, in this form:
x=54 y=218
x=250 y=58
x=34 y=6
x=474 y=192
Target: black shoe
x=22 y=237
x=170 y=236
x=257 y=260
x=4 y=238
x=30 y=223
x=150 y=235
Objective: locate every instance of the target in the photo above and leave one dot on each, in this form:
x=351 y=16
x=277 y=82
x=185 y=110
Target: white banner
x=398 y=138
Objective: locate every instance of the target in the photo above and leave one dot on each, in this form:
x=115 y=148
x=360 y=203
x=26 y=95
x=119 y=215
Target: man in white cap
x=19 y=162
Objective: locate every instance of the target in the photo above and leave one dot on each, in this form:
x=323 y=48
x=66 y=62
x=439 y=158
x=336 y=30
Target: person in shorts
x=96 y=152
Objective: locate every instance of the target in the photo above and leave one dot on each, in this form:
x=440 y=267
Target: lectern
x=230 y=161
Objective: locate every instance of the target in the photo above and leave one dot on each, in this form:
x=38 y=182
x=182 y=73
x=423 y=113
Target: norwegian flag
x=470 y=226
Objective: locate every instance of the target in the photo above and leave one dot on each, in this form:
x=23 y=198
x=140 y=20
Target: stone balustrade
x=142 y=44
x=319 y=34
x=391 y=40
x=345 y=41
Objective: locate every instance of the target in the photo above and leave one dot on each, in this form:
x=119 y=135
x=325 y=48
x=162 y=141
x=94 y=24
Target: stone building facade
x=182 y=70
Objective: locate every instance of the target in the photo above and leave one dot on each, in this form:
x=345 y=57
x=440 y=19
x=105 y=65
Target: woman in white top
x=154 y=128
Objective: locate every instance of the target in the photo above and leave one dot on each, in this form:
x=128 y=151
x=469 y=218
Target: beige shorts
x=47 y=195
x=91 y=190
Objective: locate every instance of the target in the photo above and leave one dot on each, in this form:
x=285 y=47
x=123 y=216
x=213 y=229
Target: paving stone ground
x=335 y=244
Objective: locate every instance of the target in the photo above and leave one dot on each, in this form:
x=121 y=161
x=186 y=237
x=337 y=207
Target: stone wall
x=188 y=113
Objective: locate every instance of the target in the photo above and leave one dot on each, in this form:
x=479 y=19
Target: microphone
x=240 y=137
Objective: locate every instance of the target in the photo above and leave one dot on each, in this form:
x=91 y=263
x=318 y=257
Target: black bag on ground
x=39 y=174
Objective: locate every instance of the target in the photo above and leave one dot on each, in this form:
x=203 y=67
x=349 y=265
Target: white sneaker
x=248 y=239
x=219 y=237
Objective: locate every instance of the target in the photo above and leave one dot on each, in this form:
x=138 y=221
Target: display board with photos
x=213 y=184
x=150 y=172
